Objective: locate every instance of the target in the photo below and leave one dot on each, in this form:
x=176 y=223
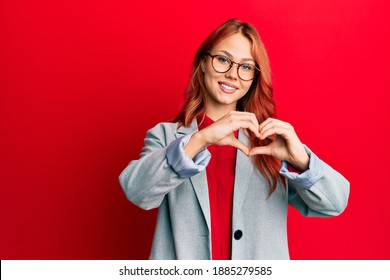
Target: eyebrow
x=231 y=56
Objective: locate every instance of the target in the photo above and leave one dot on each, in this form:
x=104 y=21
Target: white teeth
x=227 y=87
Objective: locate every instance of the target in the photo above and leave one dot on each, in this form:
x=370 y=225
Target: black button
x=237 y=234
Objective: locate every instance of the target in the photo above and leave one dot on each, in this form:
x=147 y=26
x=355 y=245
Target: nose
x=233 y=72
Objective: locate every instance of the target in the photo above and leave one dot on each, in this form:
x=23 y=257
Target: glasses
x=223 y=64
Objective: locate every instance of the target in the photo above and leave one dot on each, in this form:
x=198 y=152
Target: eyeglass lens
x=223 y=64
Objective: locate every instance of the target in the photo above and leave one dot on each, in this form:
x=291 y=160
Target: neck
x=217 y=112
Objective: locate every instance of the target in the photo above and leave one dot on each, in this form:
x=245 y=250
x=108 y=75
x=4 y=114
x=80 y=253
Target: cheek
x=211 y=78
x=245 y=87
x=209 y=72
x=209 y=85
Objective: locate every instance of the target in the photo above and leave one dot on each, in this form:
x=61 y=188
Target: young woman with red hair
x=221 y=172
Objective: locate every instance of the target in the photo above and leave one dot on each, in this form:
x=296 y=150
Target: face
x=225 y=89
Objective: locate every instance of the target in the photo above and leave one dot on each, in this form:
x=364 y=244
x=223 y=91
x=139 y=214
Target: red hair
x=258 y=100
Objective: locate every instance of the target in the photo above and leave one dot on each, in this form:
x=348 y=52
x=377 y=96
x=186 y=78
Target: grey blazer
x=258 y=222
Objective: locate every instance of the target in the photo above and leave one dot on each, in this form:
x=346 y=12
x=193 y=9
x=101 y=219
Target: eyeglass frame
x=231 y=65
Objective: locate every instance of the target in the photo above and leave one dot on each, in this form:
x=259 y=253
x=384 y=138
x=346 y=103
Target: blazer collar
x=184 y=130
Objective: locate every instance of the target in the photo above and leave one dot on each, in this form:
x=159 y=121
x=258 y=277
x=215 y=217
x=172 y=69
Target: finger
x=272 y=121
x=266 y=122
x=248 y=125
x=265 y=150
x=251 y=117
x=278 y=127
x=284 y=132
x=239 y=145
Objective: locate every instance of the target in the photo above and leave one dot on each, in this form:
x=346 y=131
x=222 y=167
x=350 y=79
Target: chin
x=229 y=98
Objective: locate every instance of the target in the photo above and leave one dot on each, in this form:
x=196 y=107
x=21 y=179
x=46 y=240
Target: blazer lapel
x=199 y=181
x=244 y=170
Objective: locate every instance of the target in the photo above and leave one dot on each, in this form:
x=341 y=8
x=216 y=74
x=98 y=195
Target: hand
x=222 y=133
x=285 y=146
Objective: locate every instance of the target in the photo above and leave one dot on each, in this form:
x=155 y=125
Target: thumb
x=239 y=145
x=265 y=150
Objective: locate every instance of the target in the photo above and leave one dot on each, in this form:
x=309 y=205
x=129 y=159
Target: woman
x=224 y=172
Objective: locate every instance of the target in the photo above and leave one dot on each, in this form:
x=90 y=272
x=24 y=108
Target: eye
x=247 y=67
x=222 y=59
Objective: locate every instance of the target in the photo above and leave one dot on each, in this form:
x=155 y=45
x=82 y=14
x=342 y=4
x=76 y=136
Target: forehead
x=237 y=45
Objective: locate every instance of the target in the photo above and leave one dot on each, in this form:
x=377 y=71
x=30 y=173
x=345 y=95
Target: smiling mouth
x=227 y=88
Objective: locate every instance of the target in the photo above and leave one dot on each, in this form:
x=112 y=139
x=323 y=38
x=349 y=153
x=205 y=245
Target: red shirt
x=220 y=179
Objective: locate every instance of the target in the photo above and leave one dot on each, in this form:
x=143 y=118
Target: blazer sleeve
x=319 y=192
x=161 y=167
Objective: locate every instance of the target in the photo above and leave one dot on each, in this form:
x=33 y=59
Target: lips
x=227 y=88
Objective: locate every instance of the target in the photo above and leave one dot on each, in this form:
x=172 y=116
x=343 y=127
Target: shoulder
x=163 y=133
x=164 y=128
x=170 y=131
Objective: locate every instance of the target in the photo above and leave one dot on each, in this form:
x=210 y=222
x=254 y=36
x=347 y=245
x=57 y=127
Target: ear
x=203 y=65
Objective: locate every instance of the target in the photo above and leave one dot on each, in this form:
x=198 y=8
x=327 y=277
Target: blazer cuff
x=306 y=179
x=181 y=163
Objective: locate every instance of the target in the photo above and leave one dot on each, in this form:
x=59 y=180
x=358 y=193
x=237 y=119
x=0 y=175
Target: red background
x=82 y=81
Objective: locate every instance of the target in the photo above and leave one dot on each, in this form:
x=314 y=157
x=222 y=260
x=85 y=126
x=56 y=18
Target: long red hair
x=257 y=100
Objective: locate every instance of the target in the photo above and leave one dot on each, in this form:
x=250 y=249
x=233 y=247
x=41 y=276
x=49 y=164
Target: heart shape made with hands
x=231 y=140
